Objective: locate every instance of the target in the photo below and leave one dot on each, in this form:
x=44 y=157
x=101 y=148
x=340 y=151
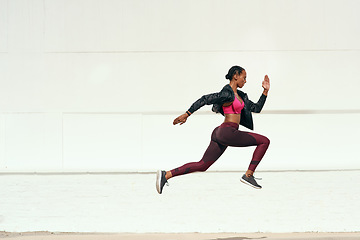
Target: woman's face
x=240 y=79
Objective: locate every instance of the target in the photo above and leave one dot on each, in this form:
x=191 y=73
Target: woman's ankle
x=168 y=175
x=249 y=173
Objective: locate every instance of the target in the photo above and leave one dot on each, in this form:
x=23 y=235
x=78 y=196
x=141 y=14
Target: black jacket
x=227 y=95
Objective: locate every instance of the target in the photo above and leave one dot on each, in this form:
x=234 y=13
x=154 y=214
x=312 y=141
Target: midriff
x=235 y=118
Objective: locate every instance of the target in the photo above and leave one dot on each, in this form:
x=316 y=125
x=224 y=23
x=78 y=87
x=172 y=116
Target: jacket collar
x=241 y=93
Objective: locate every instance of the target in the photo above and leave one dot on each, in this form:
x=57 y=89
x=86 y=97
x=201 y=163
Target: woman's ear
x=236 y=76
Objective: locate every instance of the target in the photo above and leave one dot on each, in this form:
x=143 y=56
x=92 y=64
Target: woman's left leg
x=262 y=144
x=235 y=138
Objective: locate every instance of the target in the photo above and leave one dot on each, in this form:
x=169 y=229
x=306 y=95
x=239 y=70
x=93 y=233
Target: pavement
x=211 y=202
x=179 y=236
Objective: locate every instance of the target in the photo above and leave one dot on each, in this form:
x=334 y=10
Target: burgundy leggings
x=227 y=134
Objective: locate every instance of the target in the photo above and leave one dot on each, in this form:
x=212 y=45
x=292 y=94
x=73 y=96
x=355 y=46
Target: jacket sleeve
x=256 y=107
x=219 y=97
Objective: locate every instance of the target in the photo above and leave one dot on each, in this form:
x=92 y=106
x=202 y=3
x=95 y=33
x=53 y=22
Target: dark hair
x=232 y=71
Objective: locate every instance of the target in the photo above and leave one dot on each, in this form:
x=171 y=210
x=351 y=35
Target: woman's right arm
x=181 y=119
x=223 y=96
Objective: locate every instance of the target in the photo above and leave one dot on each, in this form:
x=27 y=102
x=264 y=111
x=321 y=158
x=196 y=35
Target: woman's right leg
x=212 y=153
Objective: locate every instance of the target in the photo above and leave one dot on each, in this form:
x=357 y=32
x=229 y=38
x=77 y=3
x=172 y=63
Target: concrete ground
x=211 y=202
x=181 y=236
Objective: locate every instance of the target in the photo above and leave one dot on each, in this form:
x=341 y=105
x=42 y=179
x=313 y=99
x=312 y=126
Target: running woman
x=236 y=107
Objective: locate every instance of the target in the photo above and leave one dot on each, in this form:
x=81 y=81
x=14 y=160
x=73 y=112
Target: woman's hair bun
x=227 y=76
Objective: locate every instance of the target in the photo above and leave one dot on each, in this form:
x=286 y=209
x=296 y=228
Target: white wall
x=94 y=85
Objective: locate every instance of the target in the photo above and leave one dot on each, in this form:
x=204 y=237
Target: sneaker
x=160 y=181
x=250 y=181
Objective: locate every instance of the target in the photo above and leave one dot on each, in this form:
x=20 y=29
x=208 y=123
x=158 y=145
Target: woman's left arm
x=266 y=85
x=256 y=107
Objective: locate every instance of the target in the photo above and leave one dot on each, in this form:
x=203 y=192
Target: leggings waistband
x=229 y=124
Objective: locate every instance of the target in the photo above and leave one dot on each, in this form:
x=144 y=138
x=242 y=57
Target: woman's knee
x=203 y=166
x=263 y=140
x=267 y=141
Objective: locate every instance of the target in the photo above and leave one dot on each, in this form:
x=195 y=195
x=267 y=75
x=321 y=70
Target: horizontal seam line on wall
x=205 y=51
x=153 y=172
x=338 y=111
x=183 y=51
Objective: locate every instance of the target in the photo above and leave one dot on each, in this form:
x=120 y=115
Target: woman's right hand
x=181 y=119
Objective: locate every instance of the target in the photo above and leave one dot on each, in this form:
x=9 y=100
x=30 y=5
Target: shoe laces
x=256 y=178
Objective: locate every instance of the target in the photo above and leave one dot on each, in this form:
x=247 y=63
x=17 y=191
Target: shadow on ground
x=238 y=238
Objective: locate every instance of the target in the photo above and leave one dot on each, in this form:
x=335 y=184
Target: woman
x=236 y=107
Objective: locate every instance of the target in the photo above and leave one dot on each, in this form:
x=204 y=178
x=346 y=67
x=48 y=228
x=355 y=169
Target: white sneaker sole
x=158 y=180
x=247 y=183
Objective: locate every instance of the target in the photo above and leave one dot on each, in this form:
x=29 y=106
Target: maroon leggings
x=227 y=134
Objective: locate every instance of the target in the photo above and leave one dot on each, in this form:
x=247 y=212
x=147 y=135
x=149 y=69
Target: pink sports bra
x=234 y=108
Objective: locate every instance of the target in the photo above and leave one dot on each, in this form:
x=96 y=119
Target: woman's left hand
x=266 y=83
